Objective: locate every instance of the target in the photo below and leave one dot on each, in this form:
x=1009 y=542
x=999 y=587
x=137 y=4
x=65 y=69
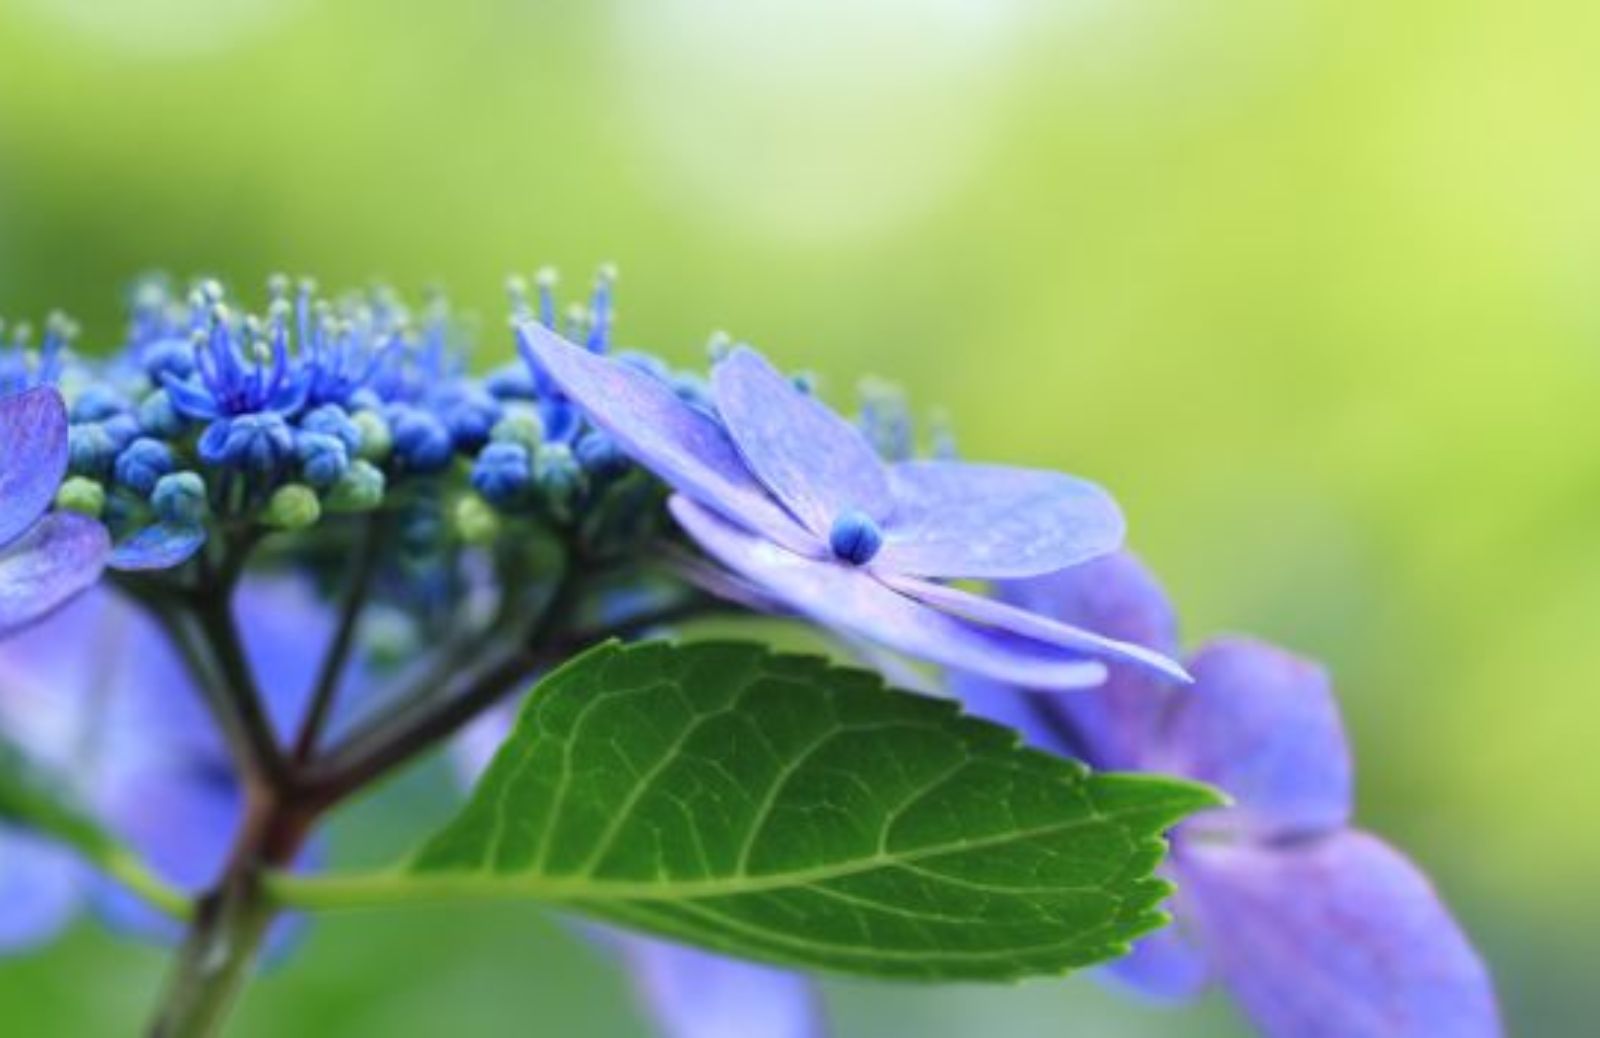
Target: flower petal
x=851 y=599
x=689 y=993
x=61 y=556
x=33 y=457
x=1337 y=937
x=1006 y=617
x=958 y=520
x=815 y=462
x=161 y=546
x=1261 y=725
x=680 y=444
x=39 y=885
x=1169 y=965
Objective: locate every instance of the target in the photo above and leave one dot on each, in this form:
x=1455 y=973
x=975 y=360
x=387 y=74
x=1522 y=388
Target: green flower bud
x=376 y=440
x=522 y=426
x=293 y=506
x=360 y=489
x=476 y=521
x=84 y=496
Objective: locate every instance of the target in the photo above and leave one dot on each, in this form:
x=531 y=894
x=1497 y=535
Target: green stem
x=337 y=658
x=214 y=964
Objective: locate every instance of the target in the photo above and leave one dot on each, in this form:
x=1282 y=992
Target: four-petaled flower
x=791 y=497
x=1315 y=927
x=45 y=559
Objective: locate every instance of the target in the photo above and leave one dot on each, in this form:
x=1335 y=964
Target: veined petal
x=683 y=446
x=1005 y=617
x=958 y=520
x=852 y=600
x=161 y=546
x=1118 y=597
x=33 y=457
x=689 y=993
x=39 y=889
x=61 y=556
x=1261 y=725
x=1338 y=937
x=815 y=462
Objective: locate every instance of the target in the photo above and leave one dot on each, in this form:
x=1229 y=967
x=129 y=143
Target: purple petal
x=958 y=520
x=1169 y=965
x=1006 y=617
x=60 y=557
x=1113 y=726
x=286 y=631
x=1336 y=937
x=694 y=994
x=161 y=546
x=683 y=446
x=852 y=600
x=39 y=889
x=1261 y=725
x=1117 y=596
x=33 y=457
x=815 y=462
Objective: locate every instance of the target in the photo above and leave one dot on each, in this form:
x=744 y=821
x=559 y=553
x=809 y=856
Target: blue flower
x=243 y=369
x=792 y=498
x=159 y=776
x=45 y=559
x=1314 y=926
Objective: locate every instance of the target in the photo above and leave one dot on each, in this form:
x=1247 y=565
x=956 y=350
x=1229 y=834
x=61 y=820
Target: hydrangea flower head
x=793 y=498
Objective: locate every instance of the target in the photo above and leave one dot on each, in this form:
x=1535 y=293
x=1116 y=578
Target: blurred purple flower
x=1317 y=928
x=793 y=498
x=45 y=559
x=127 y=722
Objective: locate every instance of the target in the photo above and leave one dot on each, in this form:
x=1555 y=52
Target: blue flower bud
x=600 y=456
x=503 y=473
x=361 y=489
x=333 y=420
x=469 y=414
x=260 y=443
x=142 y=463
x=180 y=498
x=421 y=441
x=97 y=403
x=158 y=418
x=855 y=538
x=122 y=428
x=512 y=382
x=323 y=459
x=90 y=450
x=171 y=357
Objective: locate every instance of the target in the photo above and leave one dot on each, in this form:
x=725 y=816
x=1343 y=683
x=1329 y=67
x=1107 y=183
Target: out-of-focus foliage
x=1311 y=284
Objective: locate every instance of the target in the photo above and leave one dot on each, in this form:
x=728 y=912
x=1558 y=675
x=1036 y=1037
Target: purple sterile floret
x=45 y=559
x=1315 y=927
x=793 y=498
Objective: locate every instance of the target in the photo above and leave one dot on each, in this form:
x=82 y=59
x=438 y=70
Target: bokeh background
x=1311 y=284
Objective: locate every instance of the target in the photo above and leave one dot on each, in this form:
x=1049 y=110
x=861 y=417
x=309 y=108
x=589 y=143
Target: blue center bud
x=333 y=420
x=855 y=537
x=90 y=449
x=96 y=404
x=253 y=442
x=142 y=463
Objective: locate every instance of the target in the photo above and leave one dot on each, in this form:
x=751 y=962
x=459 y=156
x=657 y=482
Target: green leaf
x=774 y=807
x=33 y=797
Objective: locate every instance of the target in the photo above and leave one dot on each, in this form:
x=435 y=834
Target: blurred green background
x=1310 y=284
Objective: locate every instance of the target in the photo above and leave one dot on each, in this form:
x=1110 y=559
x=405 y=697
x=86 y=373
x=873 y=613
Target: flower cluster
x=327 y=546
